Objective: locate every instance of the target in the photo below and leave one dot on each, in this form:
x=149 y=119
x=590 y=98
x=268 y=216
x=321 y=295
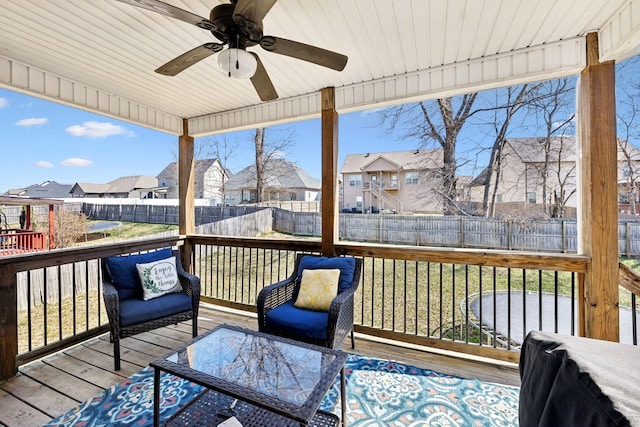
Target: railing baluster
x=524 y=304
x=73 y=297
x=508 y=309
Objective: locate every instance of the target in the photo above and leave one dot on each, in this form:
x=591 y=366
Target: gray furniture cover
x=573 y=381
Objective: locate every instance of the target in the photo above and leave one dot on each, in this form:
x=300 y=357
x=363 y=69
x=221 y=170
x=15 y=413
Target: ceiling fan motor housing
x=238 y=33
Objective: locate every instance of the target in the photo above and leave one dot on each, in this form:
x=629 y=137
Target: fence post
x=417 y=220
x=510 y=234
x=461 y=231
x=380 y=227
x=293 y=221
x=563 y=236
x=628 y=240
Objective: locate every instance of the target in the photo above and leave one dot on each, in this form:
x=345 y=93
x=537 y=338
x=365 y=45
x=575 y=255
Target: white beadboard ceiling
x=100 y=54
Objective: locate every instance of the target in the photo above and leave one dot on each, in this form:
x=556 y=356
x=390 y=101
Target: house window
x=531 y=197
x=411 y=177
x=359 y=202
x=355 y=180
x=623 y=198
x=626 y=171
x=498 y=198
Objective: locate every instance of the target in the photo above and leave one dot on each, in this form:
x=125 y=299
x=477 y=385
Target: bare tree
x=554 y=111
x=630 y=172
x=68 y=227
x=223 y=148
x=267 y=150
x=436 y=122
x=514 y=101
x=628 y=115
x=565 y=179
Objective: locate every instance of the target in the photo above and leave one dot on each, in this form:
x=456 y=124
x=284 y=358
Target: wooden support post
x=598 y=181
x=8 y=322
x=186 y=192
x=52 y=221
x=329 y=172
x=27 y=219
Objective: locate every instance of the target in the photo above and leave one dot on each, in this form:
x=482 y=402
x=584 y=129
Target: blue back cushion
x=346 y=265
x=125 y=275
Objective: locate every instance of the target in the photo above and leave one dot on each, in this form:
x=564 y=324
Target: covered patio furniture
x=129 y=312
x=280 y=312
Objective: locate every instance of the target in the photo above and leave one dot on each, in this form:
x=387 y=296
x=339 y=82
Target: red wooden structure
x=22 y=240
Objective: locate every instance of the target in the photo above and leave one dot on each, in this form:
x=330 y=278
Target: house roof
x=101 y=55
x=281 y=174
x=48 y=189
x=90 y=188
x=124 y=184
x=407 y=160
x=202 y=165
x=532 y=150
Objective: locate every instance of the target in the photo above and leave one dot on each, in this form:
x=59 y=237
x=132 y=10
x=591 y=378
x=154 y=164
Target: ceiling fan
x=239 y=24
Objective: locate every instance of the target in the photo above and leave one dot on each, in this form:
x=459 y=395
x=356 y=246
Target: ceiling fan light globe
x=237 y=63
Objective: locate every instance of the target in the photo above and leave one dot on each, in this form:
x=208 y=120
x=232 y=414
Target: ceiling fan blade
x=305 y=52
x=262 y=82
x=189 y=58
x=173 y=12
x=252 y=10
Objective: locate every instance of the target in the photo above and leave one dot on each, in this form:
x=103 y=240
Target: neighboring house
x=398 y=181
x=284 y=180
x=46 y=190
x=209 y=180
x=134 y=187
x=523 y=178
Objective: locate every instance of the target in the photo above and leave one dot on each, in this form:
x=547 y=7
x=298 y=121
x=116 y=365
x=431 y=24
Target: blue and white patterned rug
x=380 y=393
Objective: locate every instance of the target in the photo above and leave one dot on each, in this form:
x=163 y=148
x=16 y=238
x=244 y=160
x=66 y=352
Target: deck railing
x=463 y=300
x=468 y=301
x=18 y=241
x=53 y=299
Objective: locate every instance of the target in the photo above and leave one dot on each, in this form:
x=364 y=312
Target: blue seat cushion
x=346 y=265
x=298 y=321
x=134 y=311
x=124 y=273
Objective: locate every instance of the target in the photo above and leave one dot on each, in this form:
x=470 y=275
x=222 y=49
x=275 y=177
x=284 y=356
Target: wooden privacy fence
x=554 y=235
x=162 y=214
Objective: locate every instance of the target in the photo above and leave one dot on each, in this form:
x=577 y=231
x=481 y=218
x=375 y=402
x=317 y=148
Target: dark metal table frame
x=299 y=413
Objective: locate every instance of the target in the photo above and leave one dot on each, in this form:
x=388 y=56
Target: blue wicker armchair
x=129 y=313
x=278 y=315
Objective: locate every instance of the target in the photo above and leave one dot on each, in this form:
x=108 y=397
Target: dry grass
x=58 y=320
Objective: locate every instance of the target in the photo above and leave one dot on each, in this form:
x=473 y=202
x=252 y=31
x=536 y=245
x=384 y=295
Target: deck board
x=49 y=387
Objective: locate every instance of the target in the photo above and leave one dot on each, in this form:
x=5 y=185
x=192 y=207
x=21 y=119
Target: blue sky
x=43 y=140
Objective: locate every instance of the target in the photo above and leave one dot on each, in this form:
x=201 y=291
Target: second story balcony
x=384 y=184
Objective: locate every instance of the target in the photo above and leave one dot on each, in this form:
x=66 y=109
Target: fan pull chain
x=237 y=55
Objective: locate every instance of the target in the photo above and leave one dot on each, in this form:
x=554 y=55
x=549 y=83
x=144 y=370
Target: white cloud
x=44 y=164
x=75 y=161
x=95 y=130
x=3 y=102
x=32 y=122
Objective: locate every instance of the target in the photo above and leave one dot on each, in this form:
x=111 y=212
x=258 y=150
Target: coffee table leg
x=156 y=397
x=343 y=396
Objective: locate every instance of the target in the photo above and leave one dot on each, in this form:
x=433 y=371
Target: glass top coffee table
x=275 y=380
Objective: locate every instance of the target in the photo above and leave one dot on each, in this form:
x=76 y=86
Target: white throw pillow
x=159 y=278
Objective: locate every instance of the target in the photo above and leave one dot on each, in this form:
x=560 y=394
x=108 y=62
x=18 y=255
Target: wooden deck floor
x=47 y=388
